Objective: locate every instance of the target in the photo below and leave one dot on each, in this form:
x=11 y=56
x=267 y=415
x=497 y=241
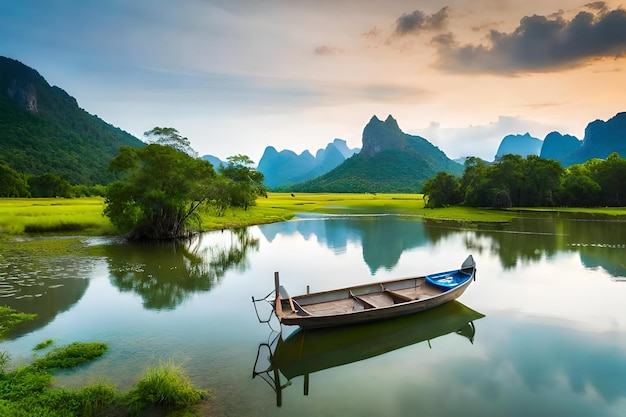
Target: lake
x=541 y=332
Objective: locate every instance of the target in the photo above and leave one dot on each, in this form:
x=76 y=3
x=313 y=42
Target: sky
x=236 y=76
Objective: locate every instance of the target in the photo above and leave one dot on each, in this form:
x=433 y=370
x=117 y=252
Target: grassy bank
x=84 y=215
x=25 y=391
x=402 y=204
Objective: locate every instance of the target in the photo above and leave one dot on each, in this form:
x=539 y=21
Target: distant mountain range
x=523 y=145
x=601 y=139
x=286 y=168
x=390 y=161
x=42 y=130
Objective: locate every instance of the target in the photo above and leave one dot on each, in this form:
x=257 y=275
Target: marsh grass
x=54 y=215
x=26 y=391
x=164 y=385
x=344 y=203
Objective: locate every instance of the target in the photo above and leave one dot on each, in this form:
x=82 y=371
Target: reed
x=165 y=385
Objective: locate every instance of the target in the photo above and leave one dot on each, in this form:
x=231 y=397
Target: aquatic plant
x=165 y=385
x=44 y=344
x=26 y=392
x=71 y=355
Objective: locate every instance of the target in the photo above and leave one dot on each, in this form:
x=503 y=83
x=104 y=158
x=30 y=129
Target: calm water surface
x=541 y=332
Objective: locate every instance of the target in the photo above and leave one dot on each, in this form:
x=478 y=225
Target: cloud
x=418 y=21
x=330 y=50
x=483 y=140
x=598 y=5
x=541 y=44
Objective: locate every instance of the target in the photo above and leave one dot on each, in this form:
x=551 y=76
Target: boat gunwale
x=300 y=316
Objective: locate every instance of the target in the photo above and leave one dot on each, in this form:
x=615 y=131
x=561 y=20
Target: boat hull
x=372 y=302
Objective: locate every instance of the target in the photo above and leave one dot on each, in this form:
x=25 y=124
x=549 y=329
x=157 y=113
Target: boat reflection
x=307 y=351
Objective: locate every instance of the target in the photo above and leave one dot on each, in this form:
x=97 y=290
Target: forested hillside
x=390 y=161
x=43 y=131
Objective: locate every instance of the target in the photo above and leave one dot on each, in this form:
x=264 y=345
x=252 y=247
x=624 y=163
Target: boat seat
x=377 y=300
x=366 y=304
x=400 y=298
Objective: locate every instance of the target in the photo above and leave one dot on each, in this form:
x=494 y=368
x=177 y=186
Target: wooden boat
x=371 y=302
x=307 y=351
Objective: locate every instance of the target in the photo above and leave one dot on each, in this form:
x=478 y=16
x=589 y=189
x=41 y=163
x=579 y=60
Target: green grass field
x=61 y=216
x=54 y=215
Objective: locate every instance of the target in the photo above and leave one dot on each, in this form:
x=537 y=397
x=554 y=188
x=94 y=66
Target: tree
x=543 y=181
x=159 y=193
x=168 y=136
x=509 y=175
x=441 y=190
x=245 y=182
x=12 y=183
x=610 y=174
x=49 y=185
x=474 y=189
x=579 y=190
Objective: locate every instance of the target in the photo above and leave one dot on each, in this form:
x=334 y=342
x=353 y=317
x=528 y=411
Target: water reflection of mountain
x=166 y=273
x=599 y=243
x=43 y=276
x=308 y=351
x=383 y=238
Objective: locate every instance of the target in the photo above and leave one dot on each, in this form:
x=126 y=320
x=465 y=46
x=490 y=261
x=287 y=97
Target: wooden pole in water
x=278 y=308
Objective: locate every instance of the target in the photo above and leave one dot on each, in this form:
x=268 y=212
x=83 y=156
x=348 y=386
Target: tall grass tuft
x=165 y=385
x=98 y=400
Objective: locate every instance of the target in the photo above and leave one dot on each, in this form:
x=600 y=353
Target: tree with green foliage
x=159 y=193
x=473 y=186
x=12 y=183
x=245 y=182
x=542 y=182
x=441 y=191
x=578 y=189
x=168 y=136
x=514 y=181
x=49 y=185
x=610 y=174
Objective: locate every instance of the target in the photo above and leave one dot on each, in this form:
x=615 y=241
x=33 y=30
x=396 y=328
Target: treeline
x=514 y=181
x=17 y=185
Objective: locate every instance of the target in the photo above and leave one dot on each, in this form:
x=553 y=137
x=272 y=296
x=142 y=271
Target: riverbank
x=60 y=216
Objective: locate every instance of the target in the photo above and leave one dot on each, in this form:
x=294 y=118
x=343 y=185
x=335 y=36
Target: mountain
x=286 y=167
x=556 y=146
x=214 y=160
x=523 y=145
x=390 y=161
x=601 y=139
x=42 y=130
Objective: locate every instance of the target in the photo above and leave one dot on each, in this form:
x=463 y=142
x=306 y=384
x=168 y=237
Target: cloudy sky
x=235 y=76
